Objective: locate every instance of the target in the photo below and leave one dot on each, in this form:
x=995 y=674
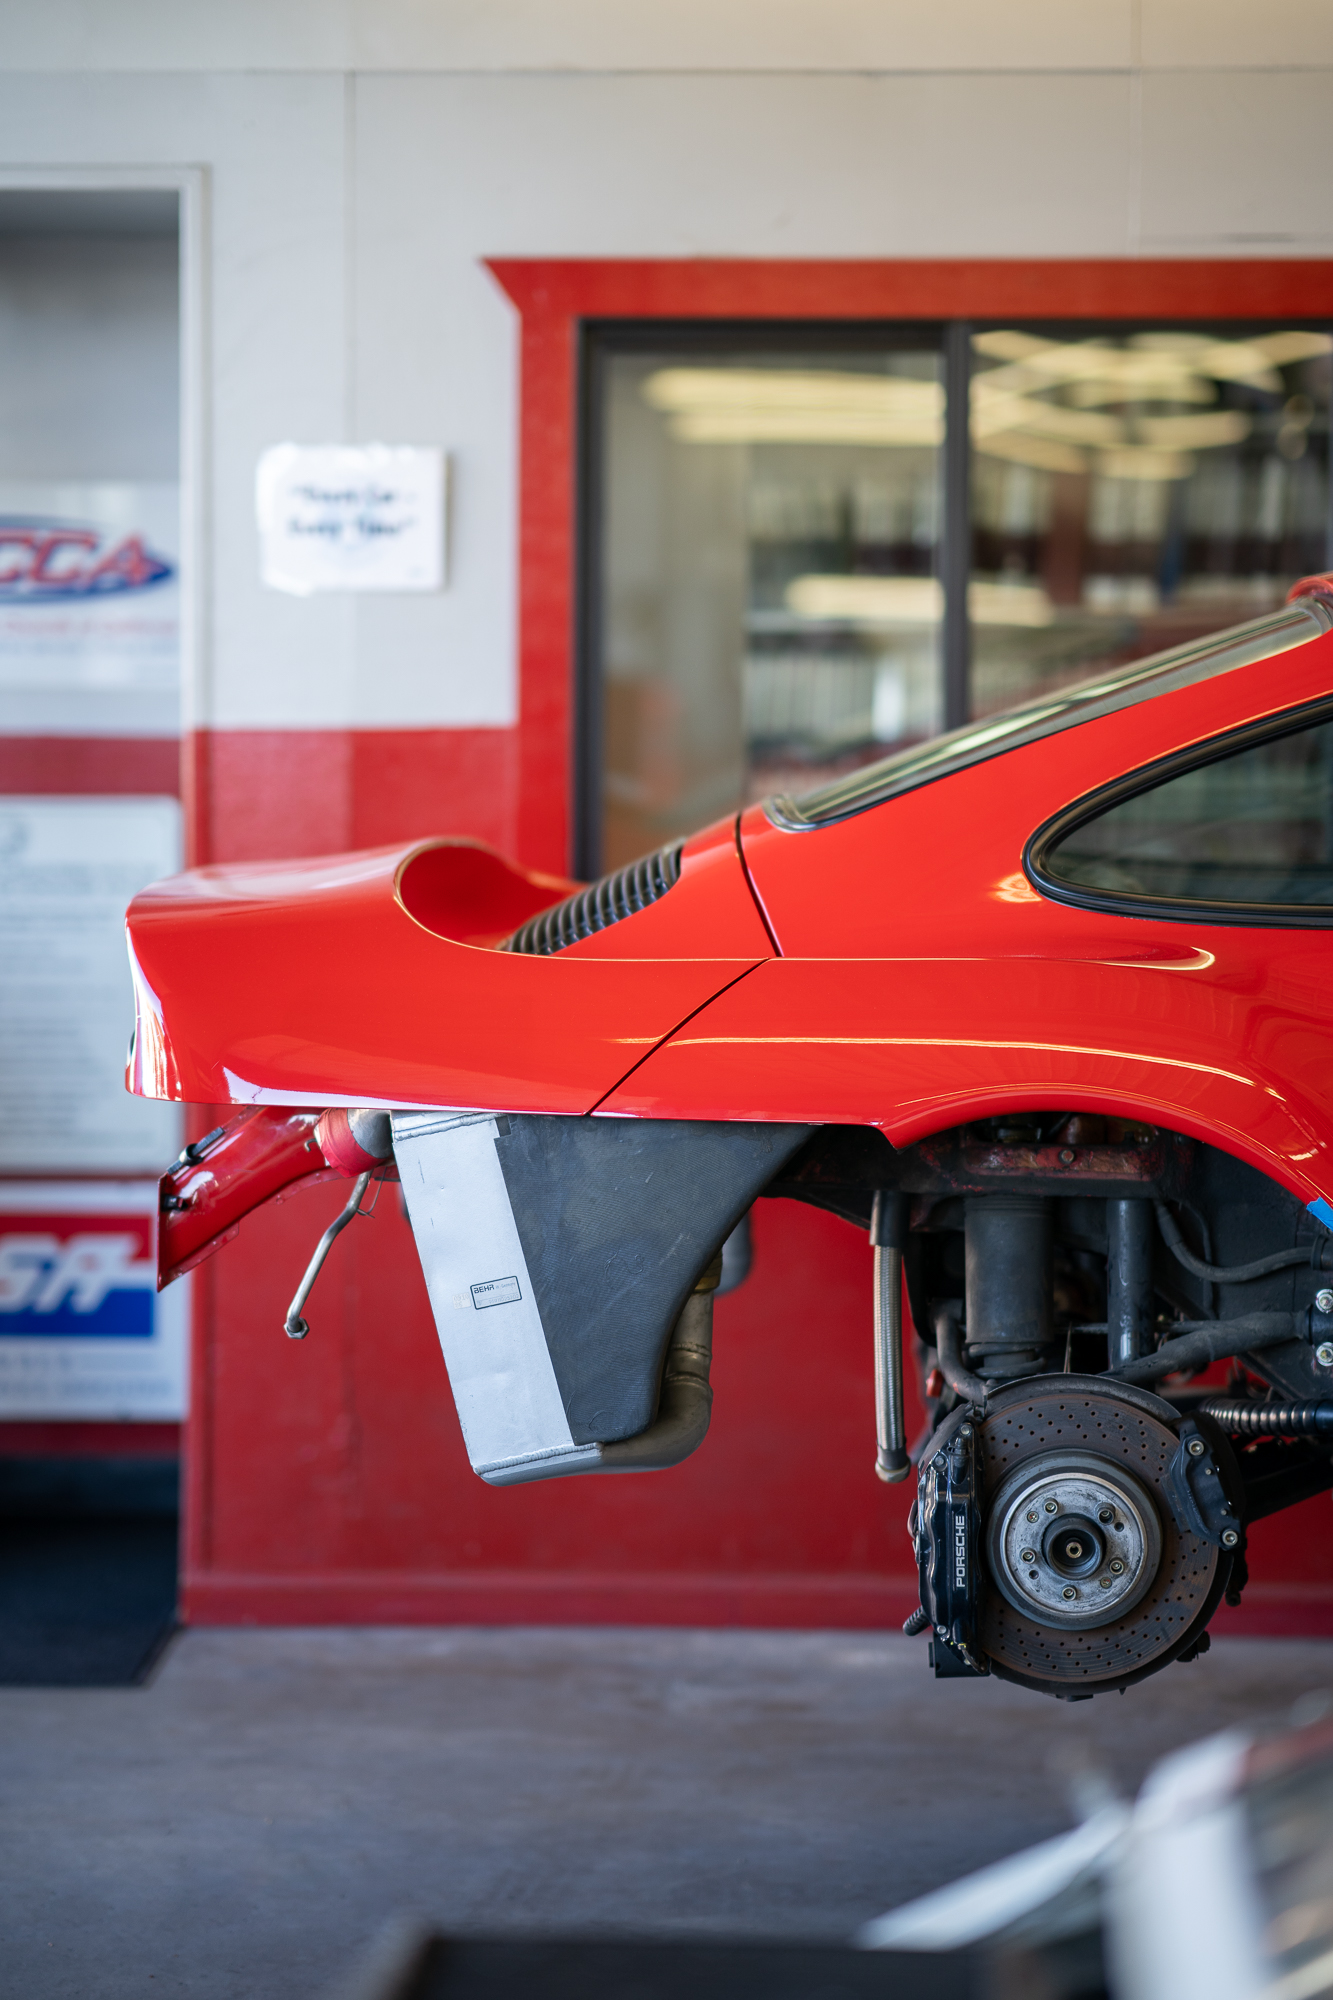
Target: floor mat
x=85 y=1603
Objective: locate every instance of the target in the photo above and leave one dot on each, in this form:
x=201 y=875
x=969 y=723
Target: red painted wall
x=328 y=1480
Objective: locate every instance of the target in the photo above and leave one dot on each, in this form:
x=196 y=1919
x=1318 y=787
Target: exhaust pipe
x=686 y=1401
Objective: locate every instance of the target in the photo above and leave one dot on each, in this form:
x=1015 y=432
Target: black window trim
x=1121 y=903
x=1065 y=708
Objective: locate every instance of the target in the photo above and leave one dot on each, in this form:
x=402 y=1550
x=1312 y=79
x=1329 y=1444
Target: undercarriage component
x=1008 y=1281
x=686 y=1399
x=1093 y=1449
x=1225 y=1274
x=947 y=1535
x=294 y=1326
x=888 y=1225
x=1073 y=1539
x=1279 y=1473
x=1199 y=1490
x=559 y=1256
x=949 y=1347
x=1129 y=1307
x=1059 y=1265
x=1270 y=1420
x=1206 y=1341
x=357 y=1141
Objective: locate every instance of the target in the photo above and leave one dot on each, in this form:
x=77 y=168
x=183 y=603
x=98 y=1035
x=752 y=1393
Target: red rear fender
x=364 y=979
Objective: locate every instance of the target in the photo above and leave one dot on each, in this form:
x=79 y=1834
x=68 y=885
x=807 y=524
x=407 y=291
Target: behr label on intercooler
x=496 y=1292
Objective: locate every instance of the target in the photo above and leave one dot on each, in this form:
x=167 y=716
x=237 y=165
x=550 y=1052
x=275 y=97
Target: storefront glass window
x=768 y=604
x=767 y=559
x=1134 y=491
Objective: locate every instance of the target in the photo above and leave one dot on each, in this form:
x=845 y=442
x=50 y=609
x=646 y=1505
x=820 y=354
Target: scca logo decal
x=45 y=560
x=80 y=1281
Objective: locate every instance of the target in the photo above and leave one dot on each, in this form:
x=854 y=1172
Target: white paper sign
x=351 y=517
x=84 y=1331
x=68 y=867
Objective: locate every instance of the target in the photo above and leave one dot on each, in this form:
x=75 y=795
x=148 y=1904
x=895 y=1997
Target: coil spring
x=600 y=905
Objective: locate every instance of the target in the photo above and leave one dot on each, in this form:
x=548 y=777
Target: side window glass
x=1254 y=827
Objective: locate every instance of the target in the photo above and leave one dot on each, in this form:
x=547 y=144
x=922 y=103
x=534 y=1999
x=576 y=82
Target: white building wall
x=363 y=159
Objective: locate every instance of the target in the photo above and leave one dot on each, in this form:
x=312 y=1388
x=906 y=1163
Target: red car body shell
x=894 y=969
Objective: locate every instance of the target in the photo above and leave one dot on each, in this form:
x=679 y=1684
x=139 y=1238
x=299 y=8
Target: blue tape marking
x=1321 y=1211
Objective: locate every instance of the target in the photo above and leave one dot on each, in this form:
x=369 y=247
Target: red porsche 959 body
x=1044 y=1005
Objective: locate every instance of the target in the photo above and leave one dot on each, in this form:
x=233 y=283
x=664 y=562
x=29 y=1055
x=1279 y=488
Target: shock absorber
x=1009 y=1283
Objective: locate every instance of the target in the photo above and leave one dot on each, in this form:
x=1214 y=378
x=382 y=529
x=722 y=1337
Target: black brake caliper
x=1197 y=1490
x=948 y=1549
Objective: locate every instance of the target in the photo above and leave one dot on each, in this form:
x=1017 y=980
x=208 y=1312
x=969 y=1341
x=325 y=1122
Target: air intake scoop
x=600 y=905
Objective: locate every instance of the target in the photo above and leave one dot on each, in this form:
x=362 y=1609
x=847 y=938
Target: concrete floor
x=240 y=1828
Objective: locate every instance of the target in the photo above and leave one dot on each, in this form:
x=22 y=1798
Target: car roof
x=1139 y=680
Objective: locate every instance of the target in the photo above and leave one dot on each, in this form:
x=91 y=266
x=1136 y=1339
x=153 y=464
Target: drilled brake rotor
x=1102 y=1435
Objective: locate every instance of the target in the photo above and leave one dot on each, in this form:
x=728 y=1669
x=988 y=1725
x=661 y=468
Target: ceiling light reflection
x=1044 y=404
x=913 y=601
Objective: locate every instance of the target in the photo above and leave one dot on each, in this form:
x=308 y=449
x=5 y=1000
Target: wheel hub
x=1090 y=1459
x=1073 y=1539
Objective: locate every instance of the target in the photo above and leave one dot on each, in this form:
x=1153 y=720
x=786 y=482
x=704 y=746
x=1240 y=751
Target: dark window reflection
x=1255 y=827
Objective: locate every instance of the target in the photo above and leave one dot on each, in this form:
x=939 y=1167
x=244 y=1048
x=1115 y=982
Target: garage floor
x=245 y=1823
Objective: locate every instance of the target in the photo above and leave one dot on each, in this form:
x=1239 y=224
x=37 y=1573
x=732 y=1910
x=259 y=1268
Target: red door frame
x=554 y=296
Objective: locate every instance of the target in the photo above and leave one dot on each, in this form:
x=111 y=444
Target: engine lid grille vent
x=600 y=905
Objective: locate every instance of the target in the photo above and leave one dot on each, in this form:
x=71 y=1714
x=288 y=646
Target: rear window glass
x=1253 y=828
x=1220 y=653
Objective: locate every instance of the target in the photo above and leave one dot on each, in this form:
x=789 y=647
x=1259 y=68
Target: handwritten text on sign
x=351 y=517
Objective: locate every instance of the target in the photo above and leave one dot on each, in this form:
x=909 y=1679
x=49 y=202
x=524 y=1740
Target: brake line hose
x=1221 y=1274
x=949 y=1345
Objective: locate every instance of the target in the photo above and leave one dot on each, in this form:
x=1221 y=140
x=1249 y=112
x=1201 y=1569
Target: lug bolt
x=1196 y=1447
x=1323 y=1354
x=1106 y=1513
x=1069 y=1591
x=1027 y=1555
x=1323 y=1300
x=1052 y=1506
x=1116 y=1566
x=1229 y=1538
